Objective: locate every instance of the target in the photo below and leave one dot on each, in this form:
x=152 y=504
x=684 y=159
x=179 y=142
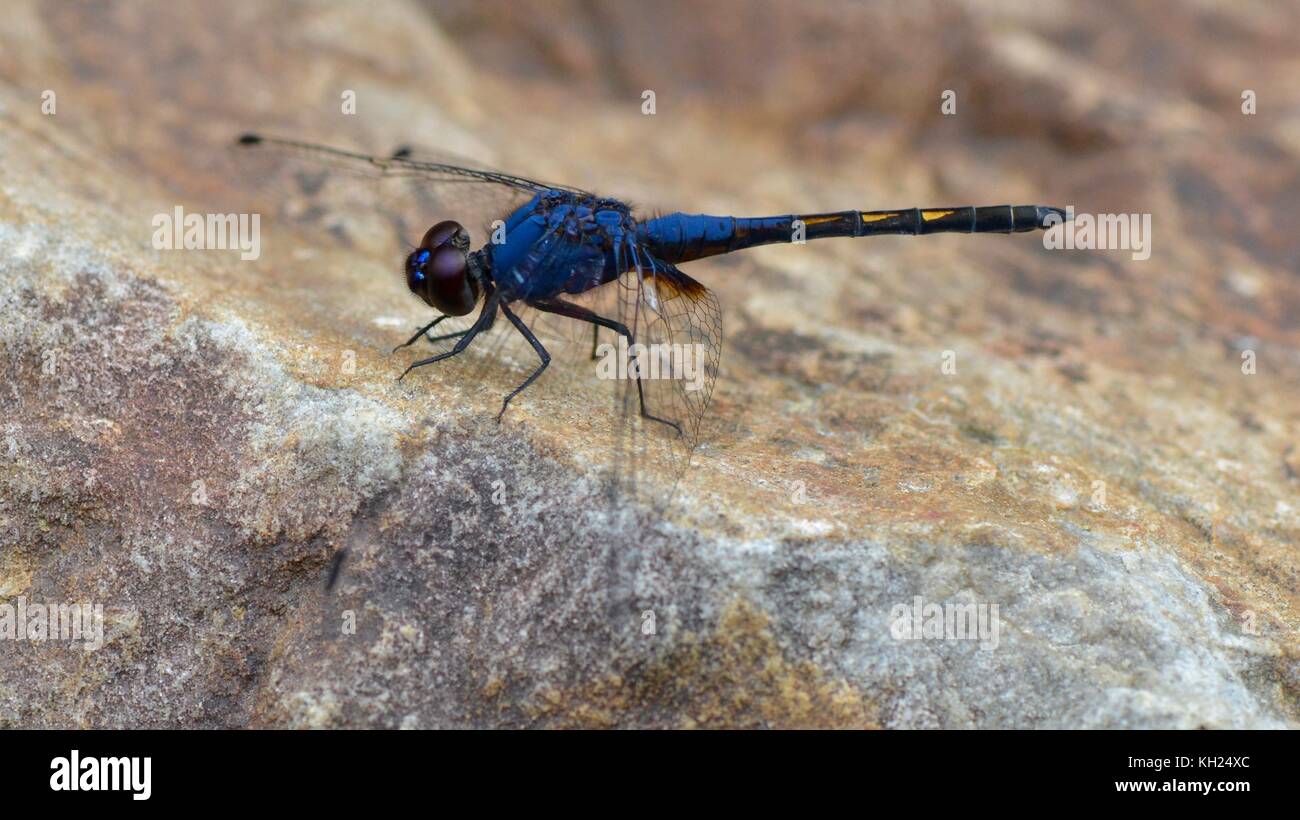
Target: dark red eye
x=438 y=270
x=446 y=232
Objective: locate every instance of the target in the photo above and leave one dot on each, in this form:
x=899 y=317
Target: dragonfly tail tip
x=1045 y=212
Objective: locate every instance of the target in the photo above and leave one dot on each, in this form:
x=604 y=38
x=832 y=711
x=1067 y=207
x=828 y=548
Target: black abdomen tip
x=1035 y=217
x=250 y=139
x=1045 y=211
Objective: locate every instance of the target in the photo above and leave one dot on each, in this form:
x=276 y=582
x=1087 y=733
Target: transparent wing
x=679 y=323
x=380 y=202
x=401 y=163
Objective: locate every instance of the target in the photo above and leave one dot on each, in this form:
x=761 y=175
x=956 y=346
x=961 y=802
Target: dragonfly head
x=438 y=270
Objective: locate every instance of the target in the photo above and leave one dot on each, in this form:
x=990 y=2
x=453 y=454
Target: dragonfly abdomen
x=681 y=237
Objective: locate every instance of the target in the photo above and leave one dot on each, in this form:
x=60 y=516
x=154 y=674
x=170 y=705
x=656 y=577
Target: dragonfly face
x=438 y=270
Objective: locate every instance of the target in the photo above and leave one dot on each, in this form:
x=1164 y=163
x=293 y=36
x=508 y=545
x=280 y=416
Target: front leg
x=483 y=322
x=422 y=331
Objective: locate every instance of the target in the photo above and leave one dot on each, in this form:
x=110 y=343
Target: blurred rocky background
x=188 y=438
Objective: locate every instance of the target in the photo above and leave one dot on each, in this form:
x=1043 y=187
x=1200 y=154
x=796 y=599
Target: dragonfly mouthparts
x=480 y=265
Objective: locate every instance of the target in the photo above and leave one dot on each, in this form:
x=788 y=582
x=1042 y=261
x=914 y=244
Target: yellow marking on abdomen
x=930 y=216
x=878 y=217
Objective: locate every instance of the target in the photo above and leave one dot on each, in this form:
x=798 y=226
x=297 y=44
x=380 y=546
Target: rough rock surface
x=188 y=438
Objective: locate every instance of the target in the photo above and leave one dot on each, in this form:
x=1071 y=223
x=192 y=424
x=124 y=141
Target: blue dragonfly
x=562 y=242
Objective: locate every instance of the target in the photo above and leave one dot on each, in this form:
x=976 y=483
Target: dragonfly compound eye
x=438 y=271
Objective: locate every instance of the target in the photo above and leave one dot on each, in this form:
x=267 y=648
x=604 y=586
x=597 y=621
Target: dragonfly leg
x=446 y=336
x=597 y=321
x=483 y=322
x=541 y=353
x=595 y=339
x=419 y=333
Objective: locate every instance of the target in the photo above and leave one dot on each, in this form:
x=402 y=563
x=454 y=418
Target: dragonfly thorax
x=560 y=242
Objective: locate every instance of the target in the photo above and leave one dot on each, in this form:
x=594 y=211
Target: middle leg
x=537 y=346
x=582 y=314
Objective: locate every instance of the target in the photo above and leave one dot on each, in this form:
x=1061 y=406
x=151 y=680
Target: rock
x=190 y=440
